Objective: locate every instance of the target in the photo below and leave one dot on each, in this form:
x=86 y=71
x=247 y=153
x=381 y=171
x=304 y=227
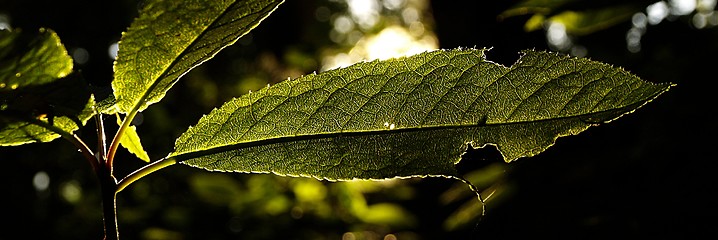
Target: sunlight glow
x=404 y=31
x=364 y=12
x=389 y=43
x=394 y=42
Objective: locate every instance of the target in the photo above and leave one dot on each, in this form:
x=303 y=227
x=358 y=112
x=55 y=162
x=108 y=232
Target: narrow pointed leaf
x=38 y=89
x=410 y=116
x=169 y=38
x=131 y=141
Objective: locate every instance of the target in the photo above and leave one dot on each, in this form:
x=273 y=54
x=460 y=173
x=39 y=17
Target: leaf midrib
x=285 y=139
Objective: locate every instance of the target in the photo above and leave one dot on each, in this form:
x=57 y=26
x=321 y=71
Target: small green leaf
x=31 y=59
x=131 y=141
x=412 y=116
x=169 y=38
x=38 y=89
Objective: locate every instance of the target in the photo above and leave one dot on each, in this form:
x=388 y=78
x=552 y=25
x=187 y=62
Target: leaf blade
x=31 y=59
x=131 y=141
x=170 y=38
x=37 y=85
x=410 y=117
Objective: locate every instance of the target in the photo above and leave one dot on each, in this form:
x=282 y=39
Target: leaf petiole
x=74 y=139
x=144 y=171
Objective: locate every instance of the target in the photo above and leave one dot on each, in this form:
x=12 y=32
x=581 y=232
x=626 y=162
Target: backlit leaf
x=169 y=38
x=131 y=141
x=412 y=116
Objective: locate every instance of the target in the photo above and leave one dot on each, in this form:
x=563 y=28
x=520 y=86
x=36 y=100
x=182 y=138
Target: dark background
x=649 y=174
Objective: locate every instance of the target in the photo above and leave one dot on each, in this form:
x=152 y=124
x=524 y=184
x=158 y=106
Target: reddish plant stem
x=108 y=183
x=108 y=188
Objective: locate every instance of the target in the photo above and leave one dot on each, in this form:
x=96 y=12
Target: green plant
x=406 y=117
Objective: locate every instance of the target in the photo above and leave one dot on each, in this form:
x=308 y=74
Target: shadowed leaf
x=37 y=87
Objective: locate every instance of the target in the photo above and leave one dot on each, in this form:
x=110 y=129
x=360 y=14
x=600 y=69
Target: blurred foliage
x=580 y=17
x=565 y=20
x=636 y=178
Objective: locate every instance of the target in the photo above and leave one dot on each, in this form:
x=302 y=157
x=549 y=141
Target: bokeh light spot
x=80 y=55
x=682 y=7
x=112 y=50
x=657 y=12
x=41 y=181
x=71 y=191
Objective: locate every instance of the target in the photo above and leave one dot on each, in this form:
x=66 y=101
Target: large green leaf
x=39 y=97
x=412 y=116
x=169 y=38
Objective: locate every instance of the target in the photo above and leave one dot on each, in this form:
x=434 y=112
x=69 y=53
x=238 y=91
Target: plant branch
x=74 y=139
x=144 y=171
